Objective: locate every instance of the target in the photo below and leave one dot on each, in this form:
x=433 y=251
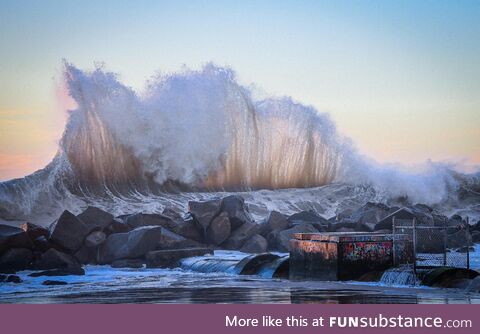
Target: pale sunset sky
x=401 y=78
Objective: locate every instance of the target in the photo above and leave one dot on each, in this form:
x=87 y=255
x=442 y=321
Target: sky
x=401 y=78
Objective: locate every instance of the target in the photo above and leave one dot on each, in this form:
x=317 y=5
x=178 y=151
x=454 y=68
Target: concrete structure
x=343 y=255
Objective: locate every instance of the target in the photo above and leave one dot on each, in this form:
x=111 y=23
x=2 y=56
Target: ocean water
x=103 y=284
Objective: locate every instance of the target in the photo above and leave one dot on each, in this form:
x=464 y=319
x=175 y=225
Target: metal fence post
x=393 y=242
x=414 y=237
x=467 y=235
x=445 y=241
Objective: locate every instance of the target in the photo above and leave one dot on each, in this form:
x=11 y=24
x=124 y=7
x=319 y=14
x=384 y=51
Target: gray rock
x=95 y=218
x=87 y=255
x=42 y=244
x=34 y=231
x=54 y=259
x=13 y=237
x=170 y=258
x=95 y=238
x=241 y=235
x=280 y=240
x=474 y=285
x=69 y=231
x=172 y=214
x=130 y=245
x=15 y=259
x=256 y=244
x=204 y=212
x=117 y=226
x=274 y=222
x=308 y=217
x=236 y=210
x=219 y=229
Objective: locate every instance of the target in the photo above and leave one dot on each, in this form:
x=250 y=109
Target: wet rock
x=172 y=214
x=53 y=282
x=474 y=285
x=170 y=258
x=54 y=259
x=241 y=235
x=189 y=230
x=369 y=215
x=349 y=227
x=204 y=212
x=236 y=210
x=280 y=240
x=308 y=217
x=274 y=222
x=219 y=229
x=13 y=237
x=69 y=231
x=172 y=240
x=95 y=238
x=133 y=244
x=42 y=244
x=87 y=255
x=128 y=263
x=95 y=218
x=149 y=219
x=15 y=259
x=76 y=271
x=10 y=279
x=256 y=244
x=34 y=231
x=117 y=226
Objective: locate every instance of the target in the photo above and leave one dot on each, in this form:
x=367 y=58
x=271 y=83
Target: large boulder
x=172 y=214
x=256 y=244
x=117 y=226
x=13 y=237
x=54 y=259
x=187 y=229
x=368 y=215
x=69 y=232
x=87 y=255
x=130 y=245
x=280 y=240
x=170 y=258
x=95 y=218
x=308 y=217
x=172 y=240
x=42 y=244
x=219 y=229
x=95 y=238
x=241 y=235
x=275 y=221
x=236 y=210
x=149 y=219
x=34 y=231
x=15 y=259
x=204 y=212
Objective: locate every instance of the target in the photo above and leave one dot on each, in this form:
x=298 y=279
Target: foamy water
x=201 y=134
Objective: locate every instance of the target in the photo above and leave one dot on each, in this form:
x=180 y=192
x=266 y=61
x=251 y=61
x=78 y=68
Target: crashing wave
x=196 y=134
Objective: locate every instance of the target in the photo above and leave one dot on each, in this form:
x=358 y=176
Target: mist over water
x=201 y=131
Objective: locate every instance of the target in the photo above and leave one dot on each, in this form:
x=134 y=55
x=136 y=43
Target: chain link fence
x=425 y=246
